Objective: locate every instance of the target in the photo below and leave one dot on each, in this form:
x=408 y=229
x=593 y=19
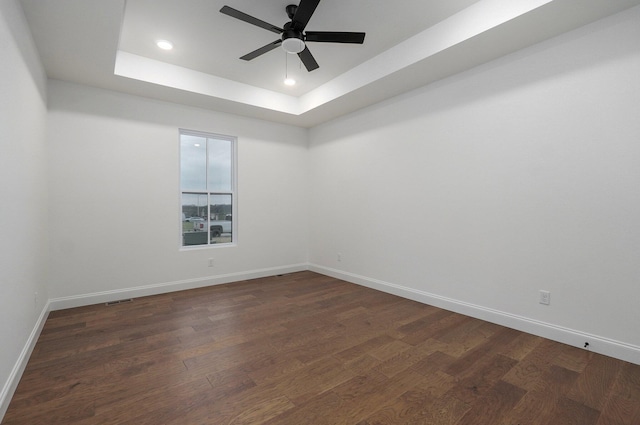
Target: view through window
x=207 y=187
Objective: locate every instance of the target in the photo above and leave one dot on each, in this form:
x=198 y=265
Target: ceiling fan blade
x=262 y=50
x=308 y=60
x=335 y=37
x=303 y=13
x=250 y=19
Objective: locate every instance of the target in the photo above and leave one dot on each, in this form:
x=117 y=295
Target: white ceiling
x=111 y=44
x=211 y=42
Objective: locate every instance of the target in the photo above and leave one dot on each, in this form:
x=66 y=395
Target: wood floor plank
x=521 y=346
x=406 y=408
x=627 y=383
x=477 y=381
x=484 y=350
x=570 y=412
x=262 y=411
x=363 y=395
x=446 y=410
x=622 y=407
x=304 y=348
x=493 y=405
x=536 y=405
x=620 y=411
x=530 y=372
x=593 y=385
x=318 y=411
x=405 y=359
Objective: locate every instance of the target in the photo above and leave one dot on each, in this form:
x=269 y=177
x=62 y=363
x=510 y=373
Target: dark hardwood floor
x=309 y=349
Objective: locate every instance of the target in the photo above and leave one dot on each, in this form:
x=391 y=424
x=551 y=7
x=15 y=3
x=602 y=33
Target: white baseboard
x=598 y=344
x=164 y=287
x=16 y=373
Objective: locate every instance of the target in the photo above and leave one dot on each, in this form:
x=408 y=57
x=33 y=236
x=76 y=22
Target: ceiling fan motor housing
x=291 y=10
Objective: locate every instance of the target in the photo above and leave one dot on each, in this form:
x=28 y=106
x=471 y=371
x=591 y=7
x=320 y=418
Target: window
x=207 y=188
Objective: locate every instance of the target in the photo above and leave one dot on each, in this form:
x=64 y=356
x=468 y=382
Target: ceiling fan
x=293 y=36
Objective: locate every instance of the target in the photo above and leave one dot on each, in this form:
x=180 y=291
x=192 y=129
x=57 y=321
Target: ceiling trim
x=177 y=77
x=464 y=25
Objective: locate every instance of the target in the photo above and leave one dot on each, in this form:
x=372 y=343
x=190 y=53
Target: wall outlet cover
x=545 y=297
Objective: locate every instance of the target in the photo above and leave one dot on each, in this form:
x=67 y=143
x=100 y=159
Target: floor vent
x=128 y=300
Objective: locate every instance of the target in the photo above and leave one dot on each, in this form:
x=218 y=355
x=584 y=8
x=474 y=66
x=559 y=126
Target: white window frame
x=233 y=192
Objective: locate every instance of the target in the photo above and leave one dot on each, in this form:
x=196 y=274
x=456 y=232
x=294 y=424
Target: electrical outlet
x=210 y=262
x=339 y=258
x=545 y=297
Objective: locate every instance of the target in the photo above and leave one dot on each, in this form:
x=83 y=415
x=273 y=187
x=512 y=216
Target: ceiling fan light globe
x=293 y=45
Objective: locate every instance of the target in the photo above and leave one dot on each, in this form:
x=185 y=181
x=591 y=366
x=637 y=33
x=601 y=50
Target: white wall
x=115 y=204
x=478 y=191
x=23 y=236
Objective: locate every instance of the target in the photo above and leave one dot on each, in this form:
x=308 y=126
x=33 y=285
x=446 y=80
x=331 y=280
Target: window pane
x=221 y=223
x=194 y=219
x=219 y=165
x=206 y=182
x=193 y=162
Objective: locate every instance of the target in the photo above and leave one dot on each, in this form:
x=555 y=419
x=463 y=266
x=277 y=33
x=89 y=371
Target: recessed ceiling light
x=164 y=44
x=289 y=81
